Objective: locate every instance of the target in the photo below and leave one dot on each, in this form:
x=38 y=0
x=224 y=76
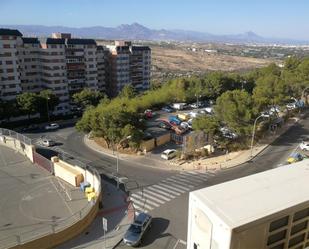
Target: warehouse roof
x=10 y=32
x=254 y=197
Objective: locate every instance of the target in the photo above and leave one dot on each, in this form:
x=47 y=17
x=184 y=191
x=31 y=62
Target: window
x=9 y=62
x=301 y=214
x=280 y=246
x=296 y=240
x=6 y=46
x=278 y=223
x=10 y=70
x=299 y=227
x=276 y=237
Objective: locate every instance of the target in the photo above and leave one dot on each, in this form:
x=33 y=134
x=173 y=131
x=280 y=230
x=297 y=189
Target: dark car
x=167 y=109
x=164 y=125
x=135 y=232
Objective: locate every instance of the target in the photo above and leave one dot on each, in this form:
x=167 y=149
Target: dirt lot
x=183 y=61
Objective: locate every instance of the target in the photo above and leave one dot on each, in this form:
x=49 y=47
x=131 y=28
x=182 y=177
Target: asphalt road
x=170 y=219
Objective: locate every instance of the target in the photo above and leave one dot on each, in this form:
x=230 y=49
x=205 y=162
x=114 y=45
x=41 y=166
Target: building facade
x=10 y=83
x=128 y=65
x=268 y=210
x=67 y=65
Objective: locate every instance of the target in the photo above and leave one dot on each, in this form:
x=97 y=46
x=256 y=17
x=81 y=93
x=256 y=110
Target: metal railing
x=53 y=226
x=15 y=135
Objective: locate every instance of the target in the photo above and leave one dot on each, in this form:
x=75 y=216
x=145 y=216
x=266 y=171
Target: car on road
x=295 y=157
x=136 y=231
x=168 y=154
x=304 y=146
x=47 y=142
x=52 y=126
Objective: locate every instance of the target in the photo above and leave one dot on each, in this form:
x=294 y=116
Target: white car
x=47 y=142
x=168 y=154
x=184 y=125
x=304 y=146
x=291 y=106
x=53 y=126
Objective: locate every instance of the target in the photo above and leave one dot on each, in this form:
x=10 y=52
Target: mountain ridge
x=136 y=31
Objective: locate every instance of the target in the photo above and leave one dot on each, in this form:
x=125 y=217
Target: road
x=164 y=194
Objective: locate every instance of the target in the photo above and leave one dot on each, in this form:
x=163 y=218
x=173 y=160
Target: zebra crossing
x=166 y=190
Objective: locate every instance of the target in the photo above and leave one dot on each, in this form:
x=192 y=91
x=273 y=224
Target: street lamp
x=253 y=132
x=47 y=108
x=117 y=156
x=197 y=96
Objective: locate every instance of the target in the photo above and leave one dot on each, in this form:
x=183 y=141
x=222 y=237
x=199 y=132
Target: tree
x=87 y=97
x=28 y=103
x=47 y=102
x=127 y=92
x=235 y=109
x=207 y=124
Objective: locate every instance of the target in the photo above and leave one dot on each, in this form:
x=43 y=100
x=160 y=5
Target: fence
x=61 y=225
x=43 y=162
x=177 y=138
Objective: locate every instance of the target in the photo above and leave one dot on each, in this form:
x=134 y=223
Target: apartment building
x=140 y=62
x=268 y=210
x=54 y=72
x=10 y=83
x=81 y=62
x=128 y=65
x=102 y=54
x=30 y=65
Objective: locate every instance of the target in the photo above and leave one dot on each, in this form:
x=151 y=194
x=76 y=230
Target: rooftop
x=55 y=41
x=140 y=48
x=81 y=41
x=30 y=40
x=14 y=32
x=247 y=199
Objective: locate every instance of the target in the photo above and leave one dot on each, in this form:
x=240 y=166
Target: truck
x=179 y=106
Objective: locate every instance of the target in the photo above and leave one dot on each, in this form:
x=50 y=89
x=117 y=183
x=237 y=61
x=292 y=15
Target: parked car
x=136 y=231
x=196 y=105
x=184 y=125
x=164 y=125
x=291 y=106
x=179 y=106
x=304 y=146
x=148 y=113
x=183 y=116
x=227 y=133
x=47 y=142
x=168 y=154
x=147 y=135
x=167 y=109
x=295 y=157
x=209 y=110
x=52 y=126
x=174 y=119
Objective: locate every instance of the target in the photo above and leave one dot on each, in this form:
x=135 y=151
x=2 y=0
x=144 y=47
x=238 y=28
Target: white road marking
x=141 y=203
x=166 y=190
x=146 y=200
x=161 y=192
x=156 y=194
x=177 y=185
x=172 y=188
x=148 y=196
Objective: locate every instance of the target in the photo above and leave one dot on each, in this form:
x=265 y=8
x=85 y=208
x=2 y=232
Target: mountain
x=137 y=31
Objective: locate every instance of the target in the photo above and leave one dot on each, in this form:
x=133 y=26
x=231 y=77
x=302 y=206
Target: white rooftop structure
x=254 y=197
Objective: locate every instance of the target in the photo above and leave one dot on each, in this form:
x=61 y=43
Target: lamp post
x=117 y=158
x=253 y=132
x=47 y=108
x=197 y=96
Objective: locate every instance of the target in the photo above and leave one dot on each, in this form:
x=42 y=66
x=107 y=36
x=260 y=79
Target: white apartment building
x=269 y=210
x=128 y=65
x=30 y=65
x=54 y=73
x=101 y=61
x=10 y=83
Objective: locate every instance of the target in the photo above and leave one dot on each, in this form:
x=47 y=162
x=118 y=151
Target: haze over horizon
x=280 y=19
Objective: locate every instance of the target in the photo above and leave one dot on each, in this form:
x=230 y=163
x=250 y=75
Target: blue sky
x=269 y=18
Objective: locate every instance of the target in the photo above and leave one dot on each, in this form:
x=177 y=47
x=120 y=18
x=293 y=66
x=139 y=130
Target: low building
x=269 y=210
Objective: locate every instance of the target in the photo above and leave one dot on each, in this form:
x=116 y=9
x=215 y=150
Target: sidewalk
x=236 y=158
x=119 y=214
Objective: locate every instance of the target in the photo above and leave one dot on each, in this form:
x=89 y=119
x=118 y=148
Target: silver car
x=47 y=142
x=134 y=234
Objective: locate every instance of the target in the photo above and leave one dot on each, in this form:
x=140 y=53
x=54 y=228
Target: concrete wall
x=55 y=239
x=23 y=148
x=148 y=145
x=163 y=139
